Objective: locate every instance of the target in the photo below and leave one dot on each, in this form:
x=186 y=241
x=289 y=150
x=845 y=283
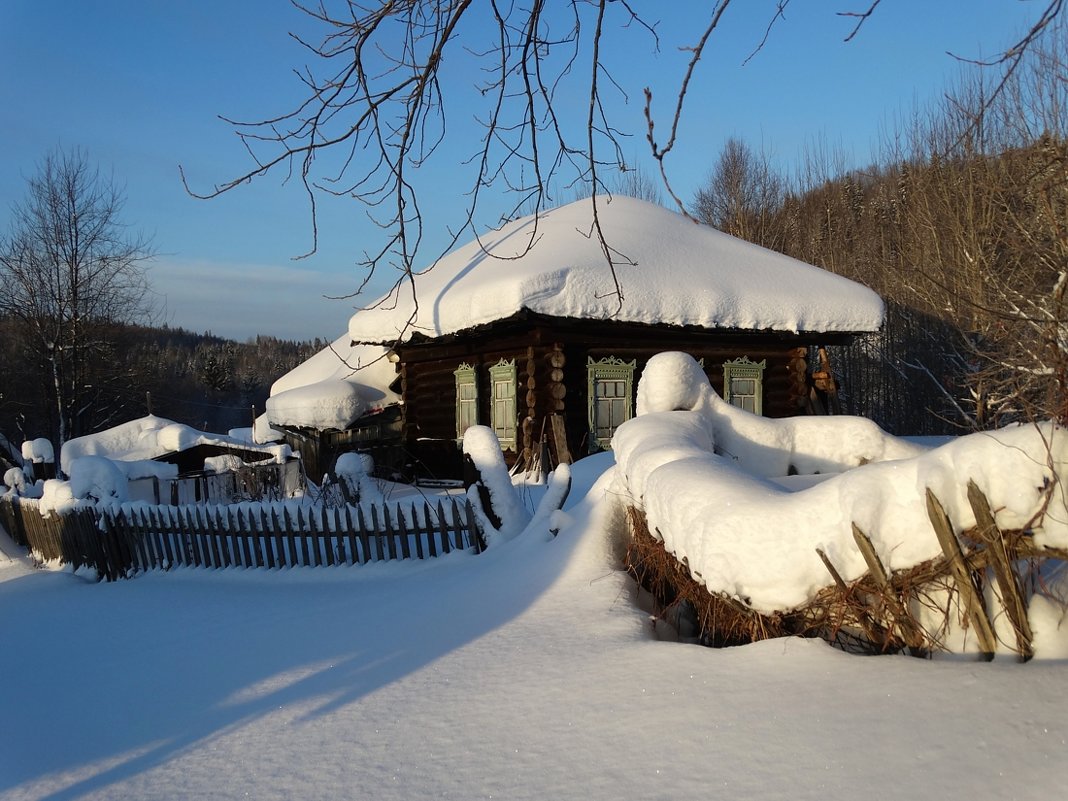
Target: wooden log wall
x=121 y=543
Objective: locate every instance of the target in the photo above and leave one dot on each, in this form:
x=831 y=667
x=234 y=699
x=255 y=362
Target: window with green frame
x=466 y=398
x=609 y=393
x=502 y=402
x=743 y=384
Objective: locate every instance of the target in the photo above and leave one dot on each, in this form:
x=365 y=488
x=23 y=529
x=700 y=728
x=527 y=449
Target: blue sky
x=139 y=84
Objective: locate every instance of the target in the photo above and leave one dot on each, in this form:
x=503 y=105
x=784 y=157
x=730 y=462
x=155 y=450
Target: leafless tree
x=69 y=271
x=386 y=72
x=742 y=196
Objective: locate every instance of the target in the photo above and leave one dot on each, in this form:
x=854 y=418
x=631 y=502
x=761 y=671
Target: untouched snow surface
x=523 y=673
x=671 y=270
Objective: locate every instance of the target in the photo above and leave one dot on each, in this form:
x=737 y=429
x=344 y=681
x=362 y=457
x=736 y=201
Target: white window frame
x=604 y=371
x=743 y=369
x=466 y=407
x=503 y=413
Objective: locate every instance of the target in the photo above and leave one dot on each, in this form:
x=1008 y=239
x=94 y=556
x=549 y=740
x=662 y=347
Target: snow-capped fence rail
x=120 y=542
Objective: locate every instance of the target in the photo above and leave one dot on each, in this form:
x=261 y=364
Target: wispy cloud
x=242 y=300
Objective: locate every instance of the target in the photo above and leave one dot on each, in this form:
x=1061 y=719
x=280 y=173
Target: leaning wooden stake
x=1008 y=582
x=910 y=630
x=973 y=603
x=872 y=630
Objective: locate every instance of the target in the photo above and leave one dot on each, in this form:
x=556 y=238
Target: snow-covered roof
x=148 y=438
x=671 y=270
x=328 y=391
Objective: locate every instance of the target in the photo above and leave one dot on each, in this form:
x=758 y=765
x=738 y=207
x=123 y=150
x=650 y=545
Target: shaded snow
x=671 y=270
x=523 y=673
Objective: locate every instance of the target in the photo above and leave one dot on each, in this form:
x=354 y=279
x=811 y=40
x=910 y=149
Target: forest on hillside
x=960 y=223
x=202 y=380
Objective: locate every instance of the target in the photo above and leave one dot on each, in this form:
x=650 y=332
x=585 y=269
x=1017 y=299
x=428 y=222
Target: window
x=743 y=384
x=466 y=398
x=502 y=408
x=609 y=393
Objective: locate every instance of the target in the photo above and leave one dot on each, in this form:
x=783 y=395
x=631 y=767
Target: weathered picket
x=132 y=539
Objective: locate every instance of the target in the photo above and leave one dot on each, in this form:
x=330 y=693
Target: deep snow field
x=527 y=672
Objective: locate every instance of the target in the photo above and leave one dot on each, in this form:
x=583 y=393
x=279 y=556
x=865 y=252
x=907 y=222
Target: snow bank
x=98 y=479
x=702 y=470
x=671 y=270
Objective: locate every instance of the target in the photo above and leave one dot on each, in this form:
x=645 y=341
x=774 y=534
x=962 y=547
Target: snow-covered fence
x=121 y=541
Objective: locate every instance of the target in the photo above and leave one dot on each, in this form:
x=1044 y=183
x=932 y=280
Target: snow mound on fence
x=702 y=471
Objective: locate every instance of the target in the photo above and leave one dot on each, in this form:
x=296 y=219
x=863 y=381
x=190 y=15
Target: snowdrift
x=712 y=483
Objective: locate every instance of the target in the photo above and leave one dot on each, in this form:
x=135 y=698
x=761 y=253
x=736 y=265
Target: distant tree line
x=201 y=380
x=961 y=224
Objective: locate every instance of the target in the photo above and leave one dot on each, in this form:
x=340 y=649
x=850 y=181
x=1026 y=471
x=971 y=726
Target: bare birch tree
x=69 y=271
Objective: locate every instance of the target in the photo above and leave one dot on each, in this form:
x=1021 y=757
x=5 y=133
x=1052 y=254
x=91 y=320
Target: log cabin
x=539 y=332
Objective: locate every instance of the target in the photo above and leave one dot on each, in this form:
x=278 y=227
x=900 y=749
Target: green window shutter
x=466 y=398
x=743 y=384
x=503 y=417
x=609 y=395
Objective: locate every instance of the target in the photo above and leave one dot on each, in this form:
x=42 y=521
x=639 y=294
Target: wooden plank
x=403 y=533
x=443 y=527
x=970 y=598
x=428 y=519
x=365 y=537
x=350 y=536
x=391 y=537
x=377 y=531
x=279 y=544
x=873 y=631
x=563 y=452
x=911 y=632
x=328 y=537
x=475 y=534
x=1002 y=563
x=268 y=542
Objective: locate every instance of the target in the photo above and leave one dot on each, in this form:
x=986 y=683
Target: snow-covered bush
x=38 y=451
x=15 y=481
x=355 y=470
x=97 y=479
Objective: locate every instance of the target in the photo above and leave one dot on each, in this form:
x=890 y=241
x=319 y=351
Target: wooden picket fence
x=120 y=543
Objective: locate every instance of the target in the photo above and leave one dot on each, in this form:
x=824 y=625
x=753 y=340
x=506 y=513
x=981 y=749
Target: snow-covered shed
x=520 y=329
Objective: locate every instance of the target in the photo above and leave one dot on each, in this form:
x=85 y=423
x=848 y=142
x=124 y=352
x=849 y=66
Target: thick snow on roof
x=671 y=270
x=328 y=391
x=147 y=438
